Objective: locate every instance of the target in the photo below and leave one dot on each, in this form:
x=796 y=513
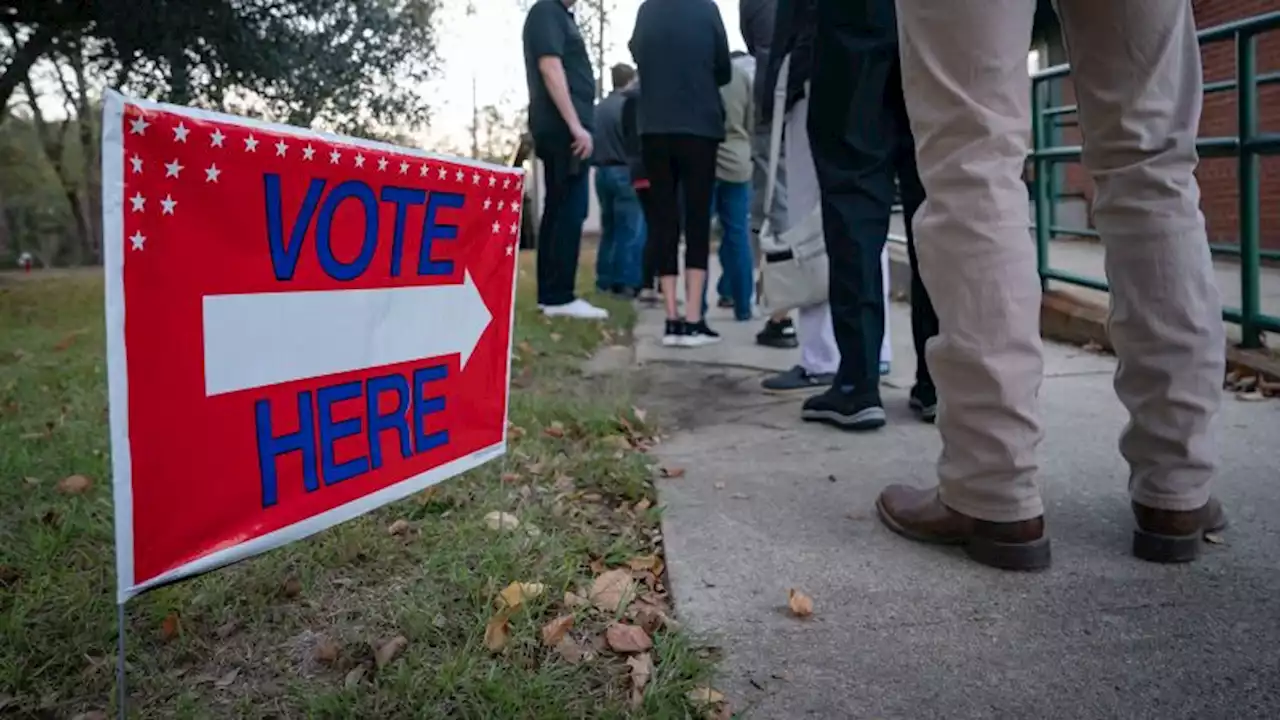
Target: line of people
x=927 y=102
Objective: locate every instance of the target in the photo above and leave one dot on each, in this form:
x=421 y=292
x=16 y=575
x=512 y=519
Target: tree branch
x=26 y=55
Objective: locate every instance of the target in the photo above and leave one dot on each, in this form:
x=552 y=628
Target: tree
x=594 y=20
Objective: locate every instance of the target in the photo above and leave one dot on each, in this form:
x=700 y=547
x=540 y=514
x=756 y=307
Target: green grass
x=247 y=636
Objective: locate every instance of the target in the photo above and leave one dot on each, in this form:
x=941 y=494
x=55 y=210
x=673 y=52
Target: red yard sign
x=301 y=328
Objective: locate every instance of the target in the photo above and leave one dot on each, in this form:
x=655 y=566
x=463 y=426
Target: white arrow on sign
x=258 y=339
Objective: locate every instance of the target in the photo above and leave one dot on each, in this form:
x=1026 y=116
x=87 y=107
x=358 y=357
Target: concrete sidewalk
x=907 y=631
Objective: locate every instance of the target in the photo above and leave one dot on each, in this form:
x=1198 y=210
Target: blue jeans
x=620 y=261
x=563 y=211
x=731 y=203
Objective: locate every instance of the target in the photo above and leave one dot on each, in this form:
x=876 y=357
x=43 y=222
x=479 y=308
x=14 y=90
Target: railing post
x=1041 y=182
x=1247 y=173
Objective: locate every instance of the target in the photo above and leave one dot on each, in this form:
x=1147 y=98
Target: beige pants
x=1137 y=75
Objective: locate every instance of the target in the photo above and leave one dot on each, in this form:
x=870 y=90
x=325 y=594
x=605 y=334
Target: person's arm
x=723 y=64
x=746 y=13
x=547 y=43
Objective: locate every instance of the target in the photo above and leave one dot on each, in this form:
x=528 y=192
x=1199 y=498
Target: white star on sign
x=506 y=183
x=502 y=204
x=496 y=228
x=180 y=133
x=215 y=140
x=513 y=228
x=511 y=249
x=515 y=207
x=475 y=178
x=334 y=157
x=172 y=169
x=169 y=204
x=382 y=163
x=137 y=239
x=458 y=176
x=139 y=126
x=359 y=160
x=442 y=173
x=211 y=173
x=487 y=203
x=308 y=152
x=281 y=149
x=404 y=167
x=492 y=181
x=251 y=144
x=422 y=171
x=139 y=202
x=137 y=163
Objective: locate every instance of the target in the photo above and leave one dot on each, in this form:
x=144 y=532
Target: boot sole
x=1166 y=549
x=1023 y=557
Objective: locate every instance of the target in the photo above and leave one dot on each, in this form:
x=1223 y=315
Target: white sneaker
x=580 y=309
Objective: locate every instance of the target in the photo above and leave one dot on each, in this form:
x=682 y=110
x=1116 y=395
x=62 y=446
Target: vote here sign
x=301 y=328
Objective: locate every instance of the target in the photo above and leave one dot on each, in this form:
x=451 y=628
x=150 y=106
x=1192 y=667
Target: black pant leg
x=555 y=186
x=698 y=166
x=663 y=203
x=853 y=137
x=924 y=320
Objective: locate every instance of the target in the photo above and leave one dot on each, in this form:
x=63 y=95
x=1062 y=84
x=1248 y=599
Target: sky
x=488 y=45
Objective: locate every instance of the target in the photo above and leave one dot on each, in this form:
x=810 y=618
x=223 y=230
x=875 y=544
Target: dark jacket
x=682 y=52
x=631 y=132
x=794 y=29
x=607 y=136
x=756 y=21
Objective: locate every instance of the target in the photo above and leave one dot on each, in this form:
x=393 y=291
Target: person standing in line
x=682 y=53
x=731 y=198
x=619 y=260
x=639 y=181
x=757 y=24
x=1139 y=83
x=859 y=134
x=561 y=100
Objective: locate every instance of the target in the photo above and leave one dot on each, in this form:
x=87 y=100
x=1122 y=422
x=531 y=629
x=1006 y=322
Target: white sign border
x=117 y=359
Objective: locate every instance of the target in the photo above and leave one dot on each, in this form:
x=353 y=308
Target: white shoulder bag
x=794 y=266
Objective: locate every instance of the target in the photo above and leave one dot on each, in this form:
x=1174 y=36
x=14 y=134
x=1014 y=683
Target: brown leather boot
x=1169 y=536
x=918 y=514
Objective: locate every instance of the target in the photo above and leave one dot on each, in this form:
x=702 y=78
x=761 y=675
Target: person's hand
x=582 y=144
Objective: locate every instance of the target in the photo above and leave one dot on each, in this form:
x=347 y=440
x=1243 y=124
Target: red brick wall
x=1218 y=185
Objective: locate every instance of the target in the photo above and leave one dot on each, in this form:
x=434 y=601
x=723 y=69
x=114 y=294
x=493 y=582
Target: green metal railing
x=1248 y=146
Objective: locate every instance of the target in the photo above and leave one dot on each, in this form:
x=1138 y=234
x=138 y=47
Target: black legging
x=687 y=162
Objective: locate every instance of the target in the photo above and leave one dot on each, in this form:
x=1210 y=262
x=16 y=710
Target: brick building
x=1218 y=184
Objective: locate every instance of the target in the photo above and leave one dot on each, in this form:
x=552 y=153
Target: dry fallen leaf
x=388 y=650
x=624 y=638
x=74 y=484
x=510 y=478
x=498 y=520
x=327 y=652
x=226 y=680
x=354 y=677
x=399 y=527
x=617 y=442
x=641 y=667
x=643 y=505
x=613 y=590
x=573 y=600
x=291 y=587
x=9 y=575
x=672 y=472
x=171 y=626
x=515 y=432
x=554 y=631
x=703 y=696
x=651 y=618
x=639 y=413
x=801 y=605
x=573 y=651
x=514 y=595
x=555 y=430
x=497 y=632
x=651 y=563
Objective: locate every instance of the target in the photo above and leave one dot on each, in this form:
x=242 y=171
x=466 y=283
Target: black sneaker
x=842 y=410
x=780 y=335
x=698 y=334
x=924 y=401
x=674 y=333
x=797 y=378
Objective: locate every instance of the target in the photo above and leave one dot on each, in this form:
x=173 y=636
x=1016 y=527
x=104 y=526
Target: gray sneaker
x=796 y=379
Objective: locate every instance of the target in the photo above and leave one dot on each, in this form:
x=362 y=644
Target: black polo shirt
x=550 y=29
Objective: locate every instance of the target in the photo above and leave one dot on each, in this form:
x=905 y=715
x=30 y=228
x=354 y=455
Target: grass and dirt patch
x=529 y=588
